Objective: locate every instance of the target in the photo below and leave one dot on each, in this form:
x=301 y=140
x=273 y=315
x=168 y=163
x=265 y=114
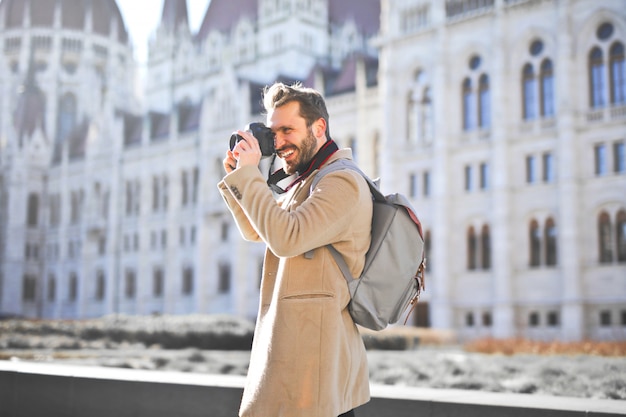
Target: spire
x=222 y=15
x=174 y=14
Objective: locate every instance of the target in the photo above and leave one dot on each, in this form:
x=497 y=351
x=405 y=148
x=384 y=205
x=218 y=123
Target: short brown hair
x=312 y=104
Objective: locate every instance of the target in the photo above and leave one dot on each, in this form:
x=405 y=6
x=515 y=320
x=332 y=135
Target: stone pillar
x=501 y=224
x=569 y=216
x=442 y=312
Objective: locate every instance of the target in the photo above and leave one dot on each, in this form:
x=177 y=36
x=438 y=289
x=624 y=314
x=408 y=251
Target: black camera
x=262 y=134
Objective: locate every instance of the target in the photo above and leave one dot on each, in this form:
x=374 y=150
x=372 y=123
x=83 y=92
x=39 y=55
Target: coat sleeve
x=243 y=224
x=325 y=217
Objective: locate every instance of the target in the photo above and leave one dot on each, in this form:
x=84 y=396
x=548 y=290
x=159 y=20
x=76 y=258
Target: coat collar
x=345 y=153
x=321 y=158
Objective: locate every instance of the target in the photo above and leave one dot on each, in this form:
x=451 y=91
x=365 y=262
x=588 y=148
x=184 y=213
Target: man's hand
x=230 y=163
x=246 y=152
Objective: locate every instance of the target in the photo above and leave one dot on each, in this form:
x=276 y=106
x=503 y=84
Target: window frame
x=224 y=278
x=484 y=102
x=529 y=95
x=485 y=247
x=617 y=74
x=548 y=167
x=551 y=242
x=619 y=157
x=469 y=112
x=534 y=244
x=597 y=78
x=620 y=236
x=188 y=281
x=100 y=290
x=600 y=155
x=546 y=88
x=472 y=249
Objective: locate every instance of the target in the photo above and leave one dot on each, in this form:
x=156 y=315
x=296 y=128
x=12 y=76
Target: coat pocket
x=308 y=296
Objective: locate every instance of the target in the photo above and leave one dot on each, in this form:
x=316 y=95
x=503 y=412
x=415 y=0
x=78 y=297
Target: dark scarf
x=325 y=152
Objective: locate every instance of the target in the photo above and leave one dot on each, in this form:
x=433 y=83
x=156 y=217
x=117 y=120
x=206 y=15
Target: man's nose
x=279 y=141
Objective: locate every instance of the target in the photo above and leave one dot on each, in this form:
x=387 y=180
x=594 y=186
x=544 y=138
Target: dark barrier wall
x=33 y=390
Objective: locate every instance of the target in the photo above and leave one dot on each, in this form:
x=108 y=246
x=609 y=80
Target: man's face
x=295 y=143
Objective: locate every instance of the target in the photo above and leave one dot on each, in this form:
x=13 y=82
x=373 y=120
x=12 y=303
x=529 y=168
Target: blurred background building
x=503 y=120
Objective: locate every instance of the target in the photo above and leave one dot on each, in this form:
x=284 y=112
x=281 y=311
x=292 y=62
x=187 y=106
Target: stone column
x=501 y=222
x=569 y=177
x=442 y=312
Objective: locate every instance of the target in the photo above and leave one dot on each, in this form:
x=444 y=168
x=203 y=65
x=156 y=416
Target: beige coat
x=308 y=359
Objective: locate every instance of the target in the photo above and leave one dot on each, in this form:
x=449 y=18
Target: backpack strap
x=338 y=165
x=377 y=195
x=344 y=163
x=341 y=263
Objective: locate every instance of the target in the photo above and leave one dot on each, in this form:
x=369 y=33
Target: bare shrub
x=524 y=346
x=169 y=332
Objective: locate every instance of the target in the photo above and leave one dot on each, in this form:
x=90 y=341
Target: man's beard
x=306 y=152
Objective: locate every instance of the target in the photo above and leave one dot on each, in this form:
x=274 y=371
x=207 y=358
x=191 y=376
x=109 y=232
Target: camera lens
x=234 y=139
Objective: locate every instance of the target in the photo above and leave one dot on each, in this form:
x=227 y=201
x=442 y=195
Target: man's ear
x=319 y=128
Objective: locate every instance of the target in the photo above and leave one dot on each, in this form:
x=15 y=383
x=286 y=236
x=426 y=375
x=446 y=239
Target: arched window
x=596 y=78
x=605 y=239
x=195 y=179
x=547 y=88
x=52 y=288
x=484 y=102
x=73 y=287
x=155 y=195
x=184 y=191
x=164 y=194
x=533 y=319
x=130 y=284
x=621 y=235
x=129 y=198
x=469 y=112
x=528 y=93
x=534 y=235
x=419 y=127
x=550 y=239
x=617 y=68
x=33 y=209
x=29 y=288
x=224 y=278
x=100 y=286
x=157 y=282
x=187 y=281
x=472 y=249
x=413 y=185
x=485 y=247
x=427 y=115
x=413 y=119
x=66 y=116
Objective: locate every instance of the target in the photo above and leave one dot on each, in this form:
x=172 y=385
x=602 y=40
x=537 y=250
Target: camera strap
x=320 y=158
x=273 y=178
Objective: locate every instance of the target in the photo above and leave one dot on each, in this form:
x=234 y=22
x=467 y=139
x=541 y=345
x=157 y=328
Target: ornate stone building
x=504 y=121
x=109 y=201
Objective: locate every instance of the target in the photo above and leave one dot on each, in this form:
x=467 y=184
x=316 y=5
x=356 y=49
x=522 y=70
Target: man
x=307 y=359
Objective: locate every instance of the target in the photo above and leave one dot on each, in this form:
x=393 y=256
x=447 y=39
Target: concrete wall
x=32 y=390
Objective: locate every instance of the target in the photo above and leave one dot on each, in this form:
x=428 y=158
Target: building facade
x=108 y=199
x=504 y=121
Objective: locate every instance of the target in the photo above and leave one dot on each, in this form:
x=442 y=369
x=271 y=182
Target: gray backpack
x=393 y=275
